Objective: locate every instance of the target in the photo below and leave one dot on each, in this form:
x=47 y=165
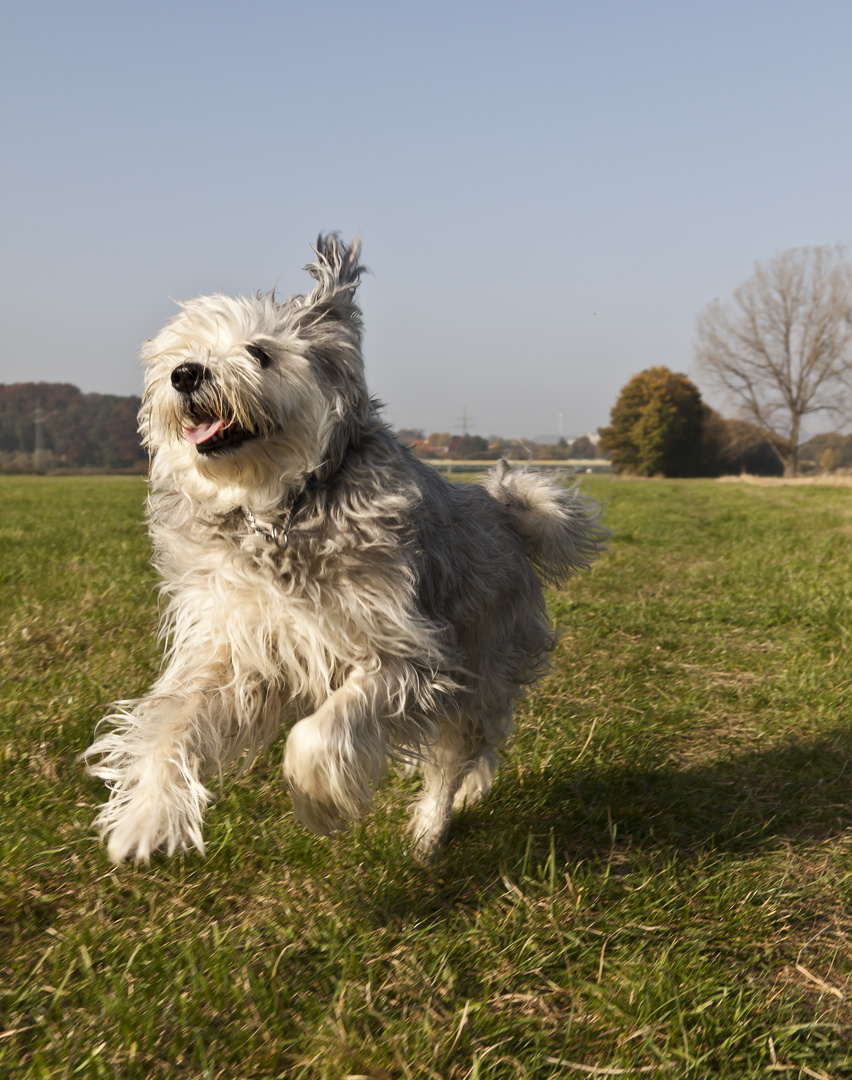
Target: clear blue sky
x=547 y=193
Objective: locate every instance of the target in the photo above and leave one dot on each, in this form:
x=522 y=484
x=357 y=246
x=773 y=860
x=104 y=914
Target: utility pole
x=465 y=420
x=38 y=452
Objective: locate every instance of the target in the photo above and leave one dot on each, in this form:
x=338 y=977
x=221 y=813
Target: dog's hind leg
x=442 y=769
x=456 y=772
x=479 y=772
x=336 y=756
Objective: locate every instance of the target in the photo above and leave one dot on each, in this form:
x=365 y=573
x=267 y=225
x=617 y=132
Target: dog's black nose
x=188 y=377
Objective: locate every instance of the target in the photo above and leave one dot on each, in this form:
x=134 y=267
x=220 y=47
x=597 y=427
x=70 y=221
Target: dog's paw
x=136 y=841
x=131 y=841
x=427 y=849
x=145 y=819
x=429 y=825
x=473 y=787
x=321 y=816
x=327 y=791
x=330 y=780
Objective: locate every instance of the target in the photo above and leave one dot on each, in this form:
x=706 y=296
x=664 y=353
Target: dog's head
x=247 y=397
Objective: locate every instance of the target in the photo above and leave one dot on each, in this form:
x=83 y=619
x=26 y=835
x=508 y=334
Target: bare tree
x=782 y=348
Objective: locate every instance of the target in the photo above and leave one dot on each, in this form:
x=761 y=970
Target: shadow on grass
x=797 y=793
x=610 y=818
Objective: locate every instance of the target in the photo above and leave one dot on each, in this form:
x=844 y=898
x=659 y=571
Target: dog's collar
x=273 y=533
x=280 y=534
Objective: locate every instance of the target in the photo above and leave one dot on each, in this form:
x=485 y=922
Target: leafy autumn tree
x=657 y=426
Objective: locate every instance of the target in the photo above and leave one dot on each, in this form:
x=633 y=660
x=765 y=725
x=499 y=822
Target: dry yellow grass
x=821 y=479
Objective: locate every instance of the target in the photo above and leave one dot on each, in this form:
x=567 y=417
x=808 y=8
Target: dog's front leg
x=335 y=756
x=154 y=760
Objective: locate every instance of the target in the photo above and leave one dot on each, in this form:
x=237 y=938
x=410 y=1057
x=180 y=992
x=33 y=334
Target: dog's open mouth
x=210 y=434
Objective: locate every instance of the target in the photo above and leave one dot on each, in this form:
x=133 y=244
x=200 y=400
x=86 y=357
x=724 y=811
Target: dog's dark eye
x=259 y=354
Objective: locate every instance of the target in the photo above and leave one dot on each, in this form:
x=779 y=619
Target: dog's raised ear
x=329 y=322
x=337 y=272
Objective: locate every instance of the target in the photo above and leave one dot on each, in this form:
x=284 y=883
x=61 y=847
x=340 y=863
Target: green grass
x=659 y=883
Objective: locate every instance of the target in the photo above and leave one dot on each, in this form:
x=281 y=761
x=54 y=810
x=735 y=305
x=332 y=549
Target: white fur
x=317 y=577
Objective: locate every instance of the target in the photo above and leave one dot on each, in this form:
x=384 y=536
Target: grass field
x=658 y=885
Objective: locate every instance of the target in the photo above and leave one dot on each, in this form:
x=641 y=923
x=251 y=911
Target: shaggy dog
x=317 y=576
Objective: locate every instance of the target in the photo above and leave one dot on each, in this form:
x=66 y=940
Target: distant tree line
x=659 y=426
x=78 y=431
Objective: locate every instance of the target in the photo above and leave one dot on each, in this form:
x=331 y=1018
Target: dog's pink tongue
x=203 y=431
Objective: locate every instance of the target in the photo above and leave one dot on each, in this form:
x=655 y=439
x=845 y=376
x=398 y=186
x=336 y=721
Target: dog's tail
x=560 y=527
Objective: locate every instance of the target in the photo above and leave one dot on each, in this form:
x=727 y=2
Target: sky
x=547 y=193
